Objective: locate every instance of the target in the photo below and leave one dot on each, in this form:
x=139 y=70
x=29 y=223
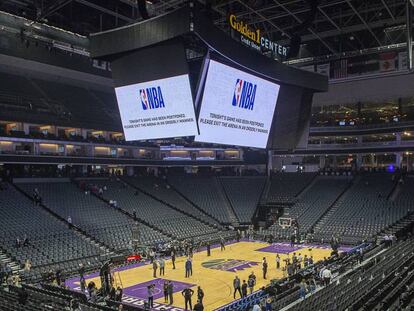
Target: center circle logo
x=230 y=265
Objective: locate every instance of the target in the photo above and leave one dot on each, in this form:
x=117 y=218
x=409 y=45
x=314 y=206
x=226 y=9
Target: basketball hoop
x=285 y=222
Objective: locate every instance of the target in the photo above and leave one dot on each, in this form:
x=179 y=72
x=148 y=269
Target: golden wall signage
x=253 y=38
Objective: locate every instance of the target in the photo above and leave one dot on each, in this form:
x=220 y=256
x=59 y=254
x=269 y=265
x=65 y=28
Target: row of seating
x=244 y=194
x=155 y=212
x=366 y=208
x=245 y=303
x=109 y=226
x=284 y=187
x=34 y=298
x=355 y=287
x=207 y=193
x=312 y=204
x=160 y=189
x=50 y=243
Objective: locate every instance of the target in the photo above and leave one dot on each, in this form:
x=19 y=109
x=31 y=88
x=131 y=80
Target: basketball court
x=214 y=274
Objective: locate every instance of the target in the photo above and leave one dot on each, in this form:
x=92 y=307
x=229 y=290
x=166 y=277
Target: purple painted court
x=140 y=290
x=285 y=248
x=137 y=294
x=280 y=248
x=229 y=265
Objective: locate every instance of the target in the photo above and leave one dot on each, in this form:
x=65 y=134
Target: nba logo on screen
x=244 y=94
x=151 y=98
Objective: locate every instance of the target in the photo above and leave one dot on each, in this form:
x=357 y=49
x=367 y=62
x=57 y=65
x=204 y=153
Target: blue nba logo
x=151 y=98
x=244 y=94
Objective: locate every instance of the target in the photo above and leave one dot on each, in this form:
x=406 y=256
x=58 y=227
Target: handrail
x=360 y=127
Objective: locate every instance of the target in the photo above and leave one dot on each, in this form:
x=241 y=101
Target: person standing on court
x=150 y=289
x=300 y=259
x=188 y=268
x=198 y=306
x=208 y=249
x=173 y=258
x=191 y=266
x=277 y=262
x=264 y=267
x=244 y=289
x=171 y=292
x=237 y=287
x=200 y=294
x=151 y=255
x=165 y=290
x=251 y=282
x=187 y=293
x=154 y=268
x=161 y=263
x=118 y=294
x=222 y=246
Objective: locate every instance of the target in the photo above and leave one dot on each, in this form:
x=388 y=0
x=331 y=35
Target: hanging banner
x=387 y=61
x=402 y=61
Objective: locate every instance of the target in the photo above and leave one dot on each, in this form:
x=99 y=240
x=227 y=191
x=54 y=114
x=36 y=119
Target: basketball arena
x=223 y=155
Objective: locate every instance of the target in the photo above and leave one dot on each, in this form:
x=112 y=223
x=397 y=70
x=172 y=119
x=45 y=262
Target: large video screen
x=157 y=109
x=236 y=108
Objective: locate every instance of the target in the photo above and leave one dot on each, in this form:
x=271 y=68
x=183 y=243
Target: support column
x=398 y=159
x=269 y=162
x=130 y=170
x=322 y=162
x=398 y=138
x=358 y=161
x=372 y=160
x=36 y=148
x=334 y=162
x=410 y=159
x=409 y=23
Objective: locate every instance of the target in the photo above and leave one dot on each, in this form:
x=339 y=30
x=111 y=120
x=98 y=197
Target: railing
x=361 y=127
x=30 y=103
x=362 y=145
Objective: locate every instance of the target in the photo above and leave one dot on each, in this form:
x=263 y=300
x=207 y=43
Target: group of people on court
x=160 y=264
x=294 y=264
x=168 y=289
x=244 y=287
x=168 y=286
x=188 y=294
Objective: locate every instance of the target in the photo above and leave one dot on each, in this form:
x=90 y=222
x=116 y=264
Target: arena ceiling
x=339 y=27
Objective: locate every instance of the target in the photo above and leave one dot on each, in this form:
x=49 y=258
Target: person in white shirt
x=256 y=307
x=326 y=276
x=277 y=262
x=300 y=258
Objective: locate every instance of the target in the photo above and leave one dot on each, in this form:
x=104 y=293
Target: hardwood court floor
x=210 y=274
